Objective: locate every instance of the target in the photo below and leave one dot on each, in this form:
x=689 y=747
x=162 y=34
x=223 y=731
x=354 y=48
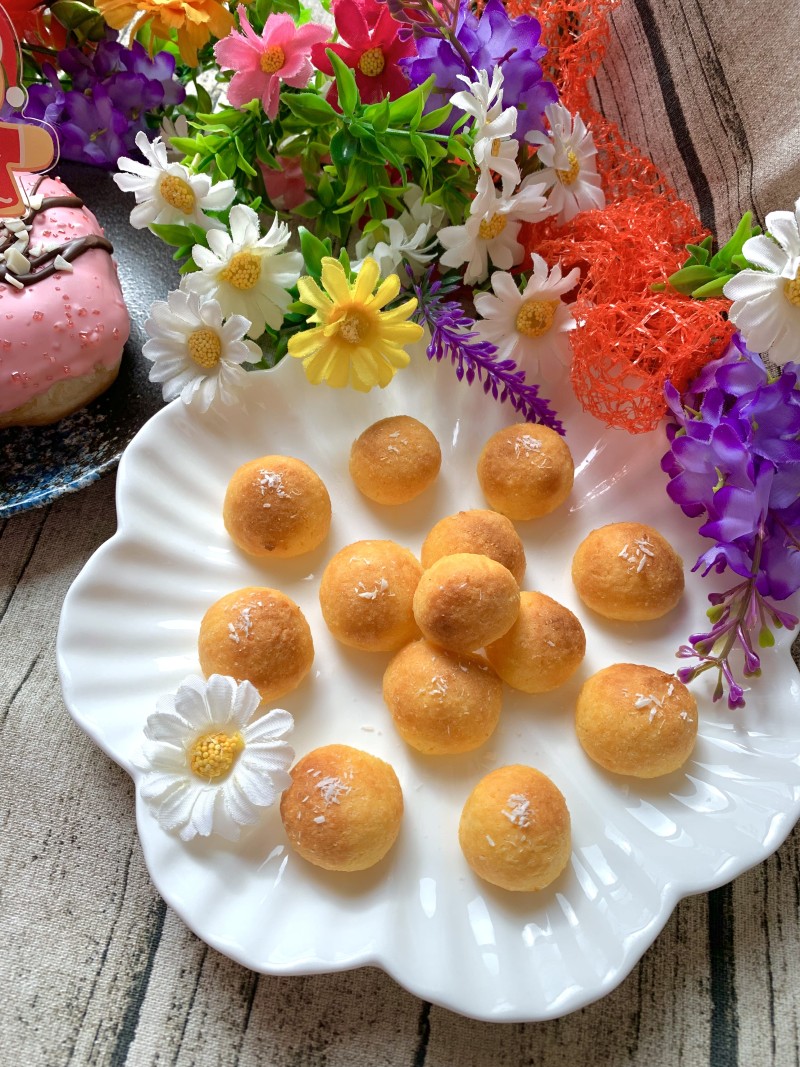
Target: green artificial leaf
x=76 y=16
x=190 y=146
x=713 y=288
x=313 y=251
x=310 y=108
x=244 y=164
x=344 y=151
x=434 y=119
x=345 y=83
x=406 y=110
x=687 y=279
x=179 y=236
x=700 y=253
x=204 y=101
x=733 y=247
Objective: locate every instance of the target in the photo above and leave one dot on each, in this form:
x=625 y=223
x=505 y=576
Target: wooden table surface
x=95 y=969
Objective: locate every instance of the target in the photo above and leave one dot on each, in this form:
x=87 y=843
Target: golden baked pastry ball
x=636 y=720
x=465 y=601
x=257 y=635
x=442 y=702
x=485 y=532
x=343 y=809
x=394 y=460
x=276 y=506
x=526 y=471
x=627 y=571
x=515 y=829
x=366 y=595
x=542 y=649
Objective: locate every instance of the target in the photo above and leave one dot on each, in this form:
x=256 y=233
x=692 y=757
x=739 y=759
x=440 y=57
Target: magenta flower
x=279 y=54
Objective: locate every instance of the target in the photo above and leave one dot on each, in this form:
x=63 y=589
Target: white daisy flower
x=407 y=238
x=531 y=326
x=205 y=769
x=167 y=192
x=570 y=166
x=169 y=129
x=430 y=214
x=246 y=272
x=491 y=229
x=195 y=354
x=494 y=147
x=766 y=302
x=482 y=99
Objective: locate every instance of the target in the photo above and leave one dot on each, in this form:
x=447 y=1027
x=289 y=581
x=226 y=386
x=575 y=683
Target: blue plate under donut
x=40 y=463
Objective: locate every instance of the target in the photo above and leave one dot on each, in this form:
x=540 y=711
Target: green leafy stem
x=704 y=275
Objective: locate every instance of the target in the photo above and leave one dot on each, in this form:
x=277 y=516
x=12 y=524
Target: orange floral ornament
x=193 y=21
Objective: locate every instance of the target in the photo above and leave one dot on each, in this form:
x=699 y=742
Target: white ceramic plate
x=128 y=634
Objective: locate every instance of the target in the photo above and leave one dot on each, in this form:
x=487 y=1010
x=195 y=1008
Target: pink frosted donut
x=63 y=321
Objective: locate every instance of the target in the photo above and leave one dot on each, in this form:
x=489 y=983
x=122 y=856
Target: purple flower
x=104 y=98
x=492 y=40
x=453 y=337
x=735 y=458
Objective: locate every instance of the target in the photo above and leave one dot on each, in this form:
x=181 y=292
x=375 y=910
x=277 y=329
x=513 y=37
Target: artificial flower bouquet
x=338 y=183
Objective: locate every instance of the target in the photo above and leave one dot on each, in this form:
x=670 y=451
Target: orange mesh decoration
x=631 y=340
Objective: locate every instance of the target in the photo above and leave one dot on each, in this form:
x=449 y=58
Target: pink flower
x=280 y=54
x=286 y=187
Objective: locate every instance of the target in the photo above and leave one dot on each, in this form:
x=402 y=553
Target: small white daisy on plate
x=766 y=301
x=570 y=164
x=207 y=768
x=195 y=354
x=531 y=326
x=167 y=192
x=491 y=229
x=248 y=274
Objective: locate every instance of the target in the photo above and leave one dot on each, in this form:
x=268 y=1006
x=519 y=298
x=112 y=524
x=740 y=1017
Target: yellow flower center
x=791 y=290
x=354 y=327
x=243 y=271
x=205 y=347
x=535 y=317
x=272 y=59
x=493 y=227
x=567 y=177
x=496 y=147
x=177 y=193
x=372 y=62
x=213 y=755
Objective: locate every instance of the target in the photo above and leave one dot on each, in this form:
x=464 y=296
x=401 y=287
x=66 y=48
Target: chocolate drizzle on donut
x=43 y=266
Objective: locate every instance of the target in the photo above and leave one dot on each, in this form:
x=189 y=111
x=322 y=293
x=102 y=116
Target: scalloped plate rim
x=670 y=892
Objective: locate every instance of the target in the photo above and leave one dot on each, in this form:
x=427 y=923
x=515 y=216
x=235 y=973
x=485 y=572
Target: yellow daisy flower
x=355 y=342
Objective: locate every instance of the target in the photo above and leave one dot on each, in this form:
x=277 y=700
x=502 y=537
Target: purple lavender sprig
x=735 y=458
x=453 y=337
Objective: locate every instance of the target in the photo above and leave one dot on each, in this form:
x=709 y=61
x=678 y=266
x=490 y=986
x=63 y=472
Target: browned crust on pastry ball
x=636 y=720
x=276 y=506
x=343 y=809
x=442 y=702
x=526 y=471
x=464 y=601
x=395 y=460
x=366 y=595
x=628 y=571
x=257 y=635
x=515 y=829
x=487 y=533
x=543 y=648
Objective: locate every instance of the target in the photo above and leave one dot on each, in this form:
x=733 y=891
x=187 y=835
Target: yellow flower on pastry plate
x=355 y=341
